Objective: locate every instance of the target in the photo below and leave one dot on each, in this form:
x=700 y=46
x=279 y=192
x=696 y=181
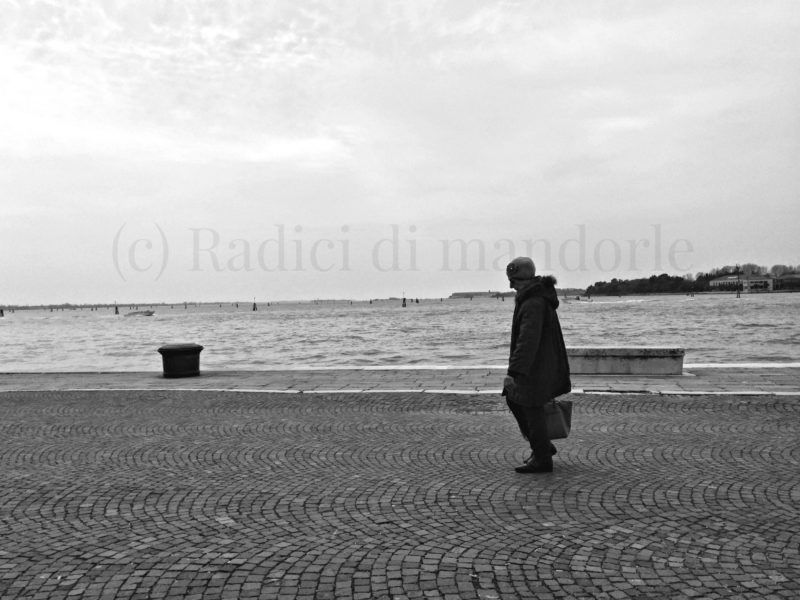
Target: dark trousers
x=533 y=427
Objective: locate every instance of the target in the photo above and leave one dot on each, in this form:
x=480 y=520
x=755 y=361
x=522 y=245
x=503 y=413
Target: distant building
x=788 y=281
x=747 y=283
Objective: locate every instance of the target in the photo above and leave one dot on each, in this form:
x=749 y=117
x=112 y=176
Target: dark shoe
x=553 y=452
x=536 y=466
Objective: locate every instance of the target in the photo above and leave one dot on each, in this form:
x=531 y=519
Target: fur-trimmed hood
x=543 y=286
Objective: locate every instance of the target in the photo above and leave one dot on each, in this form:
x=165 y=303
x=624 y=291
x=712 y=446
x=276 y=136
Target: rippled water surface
x=712 y=328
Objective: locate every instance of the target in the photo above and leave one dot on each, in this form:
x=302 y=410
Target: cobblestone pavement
x=170 y=494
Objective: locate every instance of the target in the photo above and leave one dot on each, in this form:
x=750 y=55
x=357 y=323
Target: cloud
x=505 y=117
x=172 y=83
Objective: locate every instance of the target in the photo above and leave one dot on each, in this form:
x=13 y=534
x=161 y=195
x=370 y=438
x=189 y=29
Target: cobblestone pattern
x=226 y=495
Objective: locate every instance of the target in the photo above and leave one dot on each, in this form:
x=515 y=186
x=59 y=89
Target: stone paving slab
x=203 y=494
x=700 y=380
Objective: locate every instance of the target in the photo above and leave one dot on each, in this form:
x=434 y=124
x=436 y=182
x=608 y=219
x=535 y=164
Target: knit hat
x=521 y=268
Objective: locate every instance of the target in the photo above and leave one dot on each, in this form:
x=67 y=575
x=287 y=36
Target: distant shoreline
x=705 y=293
x=247 y=305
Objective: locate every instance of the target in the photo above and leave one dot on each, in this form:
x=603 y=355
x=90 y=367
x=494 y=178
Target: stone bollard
x=181 y=360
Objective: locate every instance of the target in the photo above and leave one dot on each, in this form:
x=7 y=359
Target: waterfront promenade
x=396 y=484
x=764 y=379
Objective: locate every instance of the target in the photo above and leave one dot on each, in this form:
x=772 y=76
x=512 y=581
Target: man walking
x=538 y=369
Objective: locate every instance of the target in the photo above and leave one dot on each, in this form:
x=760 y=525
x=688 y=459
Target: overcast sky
x=209 y=150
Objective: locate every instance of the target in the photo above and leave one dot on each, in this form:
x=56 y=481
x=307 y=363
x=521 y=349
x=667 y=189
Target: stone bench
x=625 y=360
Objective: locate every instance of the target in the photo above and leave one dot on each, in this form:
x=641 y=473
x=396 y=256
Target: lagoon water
x=717 y=328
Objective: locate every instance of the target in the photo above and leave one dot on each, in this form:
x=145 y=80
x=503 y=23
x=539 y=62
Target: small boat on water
x=141 y=313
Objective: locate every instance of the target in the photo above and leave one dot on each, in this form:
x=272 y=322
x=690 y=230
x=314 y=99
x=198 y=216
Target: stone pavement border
x=749 y=379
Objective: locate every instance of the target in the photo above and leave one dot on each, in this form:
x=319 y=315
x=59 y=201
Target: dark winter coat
x=538 y=357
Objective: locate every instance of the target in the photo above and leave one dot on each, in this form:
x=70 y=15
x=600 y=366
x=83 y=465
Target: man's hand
x=508 y=382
